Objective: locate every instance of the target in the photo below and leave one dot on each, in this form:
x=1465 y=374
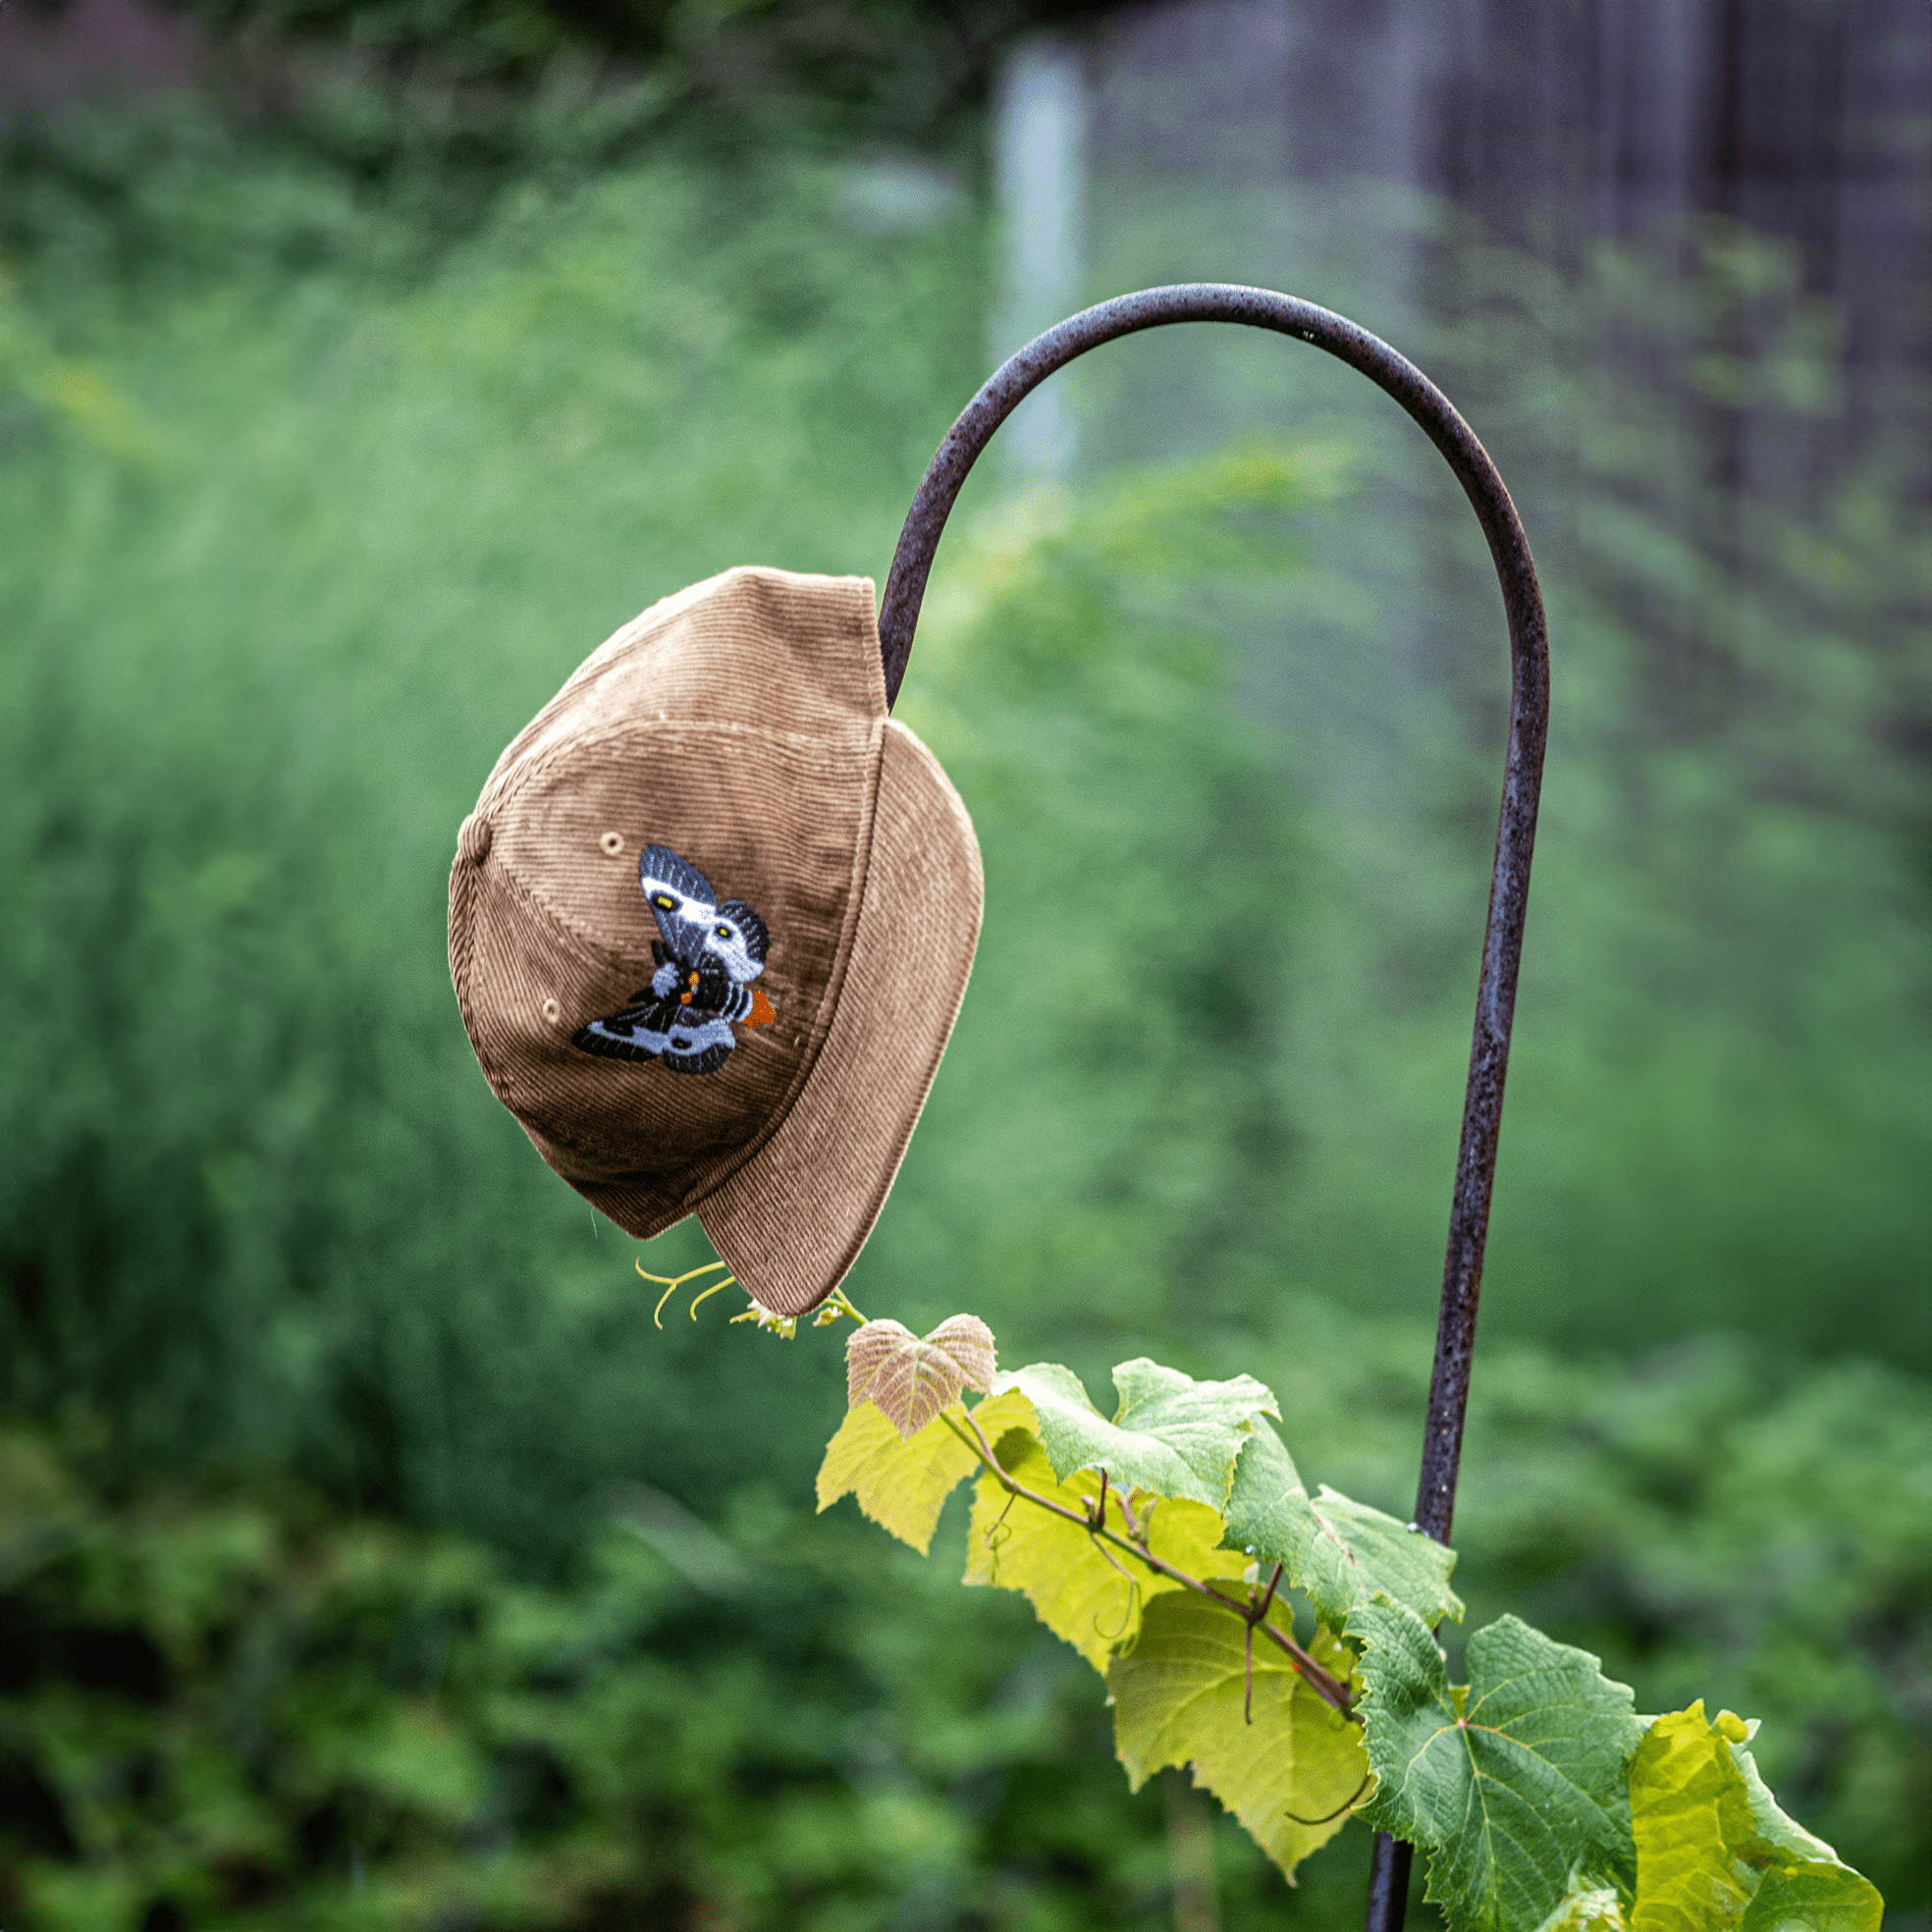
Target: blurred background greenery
x=366 y=1556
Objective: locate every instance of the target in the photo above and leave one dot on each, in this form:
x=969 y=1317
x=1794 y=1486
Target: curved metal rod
x=1516 y=833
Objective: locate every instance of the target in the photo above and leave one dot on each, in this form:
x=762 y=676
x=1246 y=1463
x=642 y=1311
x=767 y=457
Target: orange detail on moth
x=762 y=1012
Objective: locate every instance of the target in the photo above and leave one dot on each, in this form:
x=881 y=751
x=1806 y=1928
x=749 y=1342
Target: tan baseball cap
x=711 y=922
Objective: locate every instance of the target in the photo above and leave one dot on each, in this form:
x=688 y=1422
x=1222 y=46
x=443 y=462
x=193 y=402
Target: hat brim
x=790 y=1222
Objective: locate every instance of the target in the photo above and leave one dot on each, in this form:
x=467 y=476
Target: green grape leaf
x=1689 y=1812
x=1513 y=1781
x=1291 y=1776
x=1342 y=1553
x=902 y=1485
x=912 y=1378
x=1089 y=1593
x=1714 y=1851
x=1171 y=1436
x=1818 y=1894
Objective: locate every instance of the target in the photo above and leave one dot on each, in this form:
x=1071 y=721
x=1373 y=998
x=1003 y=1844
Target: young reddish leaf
x=912 y=1379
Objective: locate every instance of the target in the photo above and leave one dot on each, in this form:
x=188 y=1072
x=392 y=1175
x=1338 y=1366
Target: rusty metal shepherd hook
x=1516 y=833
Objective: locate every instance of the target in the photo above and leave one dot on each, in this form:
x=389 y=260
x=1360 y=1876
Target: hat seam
x=664 y=611
x=513 y=791
x=590 y=951
x=513 y=784
x=593 y=950
x=463 y=882
x=865 y=611
x=626 y=638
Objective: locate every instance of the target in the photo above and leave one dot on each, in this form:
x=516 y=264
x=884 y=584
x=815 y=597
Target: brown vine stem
x=1322 y=1683
x=1258 y=1613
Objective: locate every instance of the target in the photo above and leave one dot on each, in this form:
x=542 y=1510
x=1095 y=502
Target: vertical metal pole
x=1516 y=833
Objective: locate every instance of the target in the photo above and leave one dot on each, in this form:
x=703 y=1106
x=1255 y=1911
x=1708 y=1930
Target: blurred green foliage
x=238 y=1710
x=306 y=516
x=901 y=67
x=897 y=67
x=1718 y=1089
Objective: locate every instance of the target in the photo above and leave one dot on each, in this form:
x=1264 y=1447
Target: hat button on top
x=473 y=840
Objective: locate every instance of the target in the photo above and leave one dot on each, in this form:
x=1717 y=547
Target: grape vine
x=1163 y=1543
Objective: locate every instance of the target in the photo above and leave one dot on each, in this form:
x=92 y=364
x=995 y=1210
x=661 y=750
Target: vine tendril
x=671 y=1283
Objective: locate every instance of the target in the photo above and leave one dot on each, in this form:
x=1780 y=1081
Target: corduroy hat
x=711 y=922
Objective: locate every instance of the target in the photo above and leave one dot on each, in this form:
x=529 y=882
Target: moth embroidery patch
x=707 y=956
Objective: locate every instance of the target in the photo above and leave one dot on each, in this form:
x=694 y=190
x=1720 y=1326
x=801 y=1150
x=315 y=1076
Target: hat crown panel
x=771 y=650
x=770 y=821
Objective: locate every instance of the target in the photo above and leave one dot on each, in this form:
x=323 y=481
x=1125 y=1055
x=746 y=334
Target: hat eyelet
x=552 y=1012
x=611 y=843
